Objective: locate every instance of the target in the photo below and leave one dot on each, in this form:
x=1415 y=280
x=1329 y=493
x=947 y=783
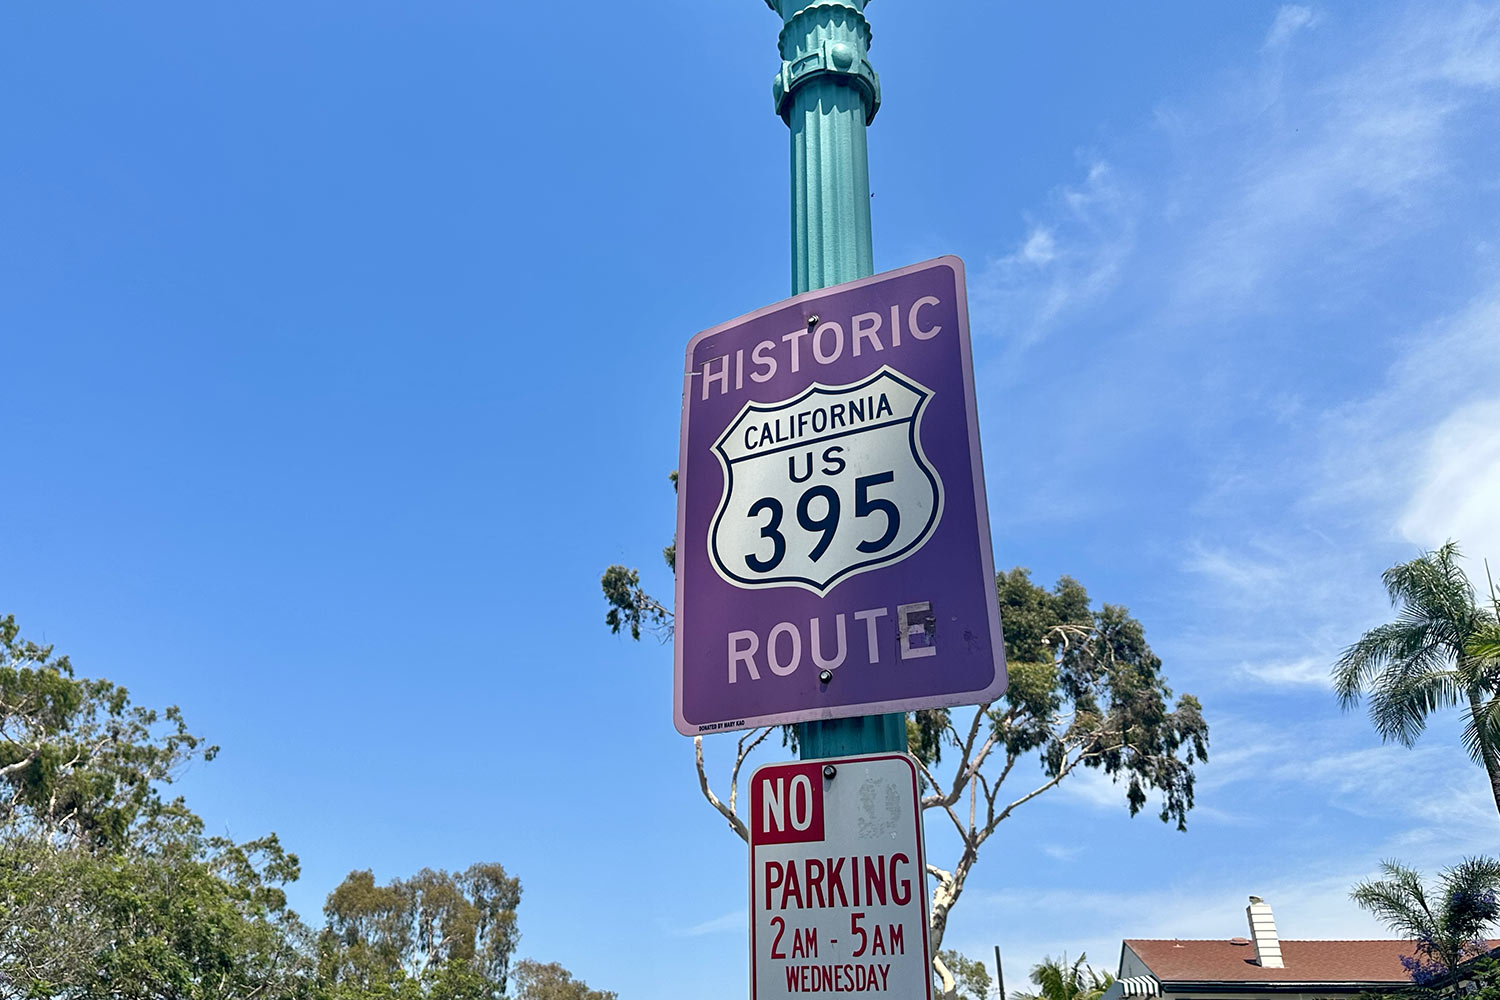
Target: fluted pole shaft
x=828 y=93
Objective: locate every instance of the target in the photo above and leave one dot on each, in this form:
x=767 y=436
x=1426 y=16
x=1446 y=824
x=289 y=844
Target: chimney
x=1263 y=933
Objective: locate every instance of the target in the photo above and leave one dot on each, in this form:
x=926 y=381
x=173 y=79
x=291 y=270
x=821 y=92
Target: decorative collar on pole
x=824 y=39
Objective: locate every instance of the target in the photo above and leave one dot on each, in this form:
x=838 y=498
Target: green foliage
x=535 y=981
x=1056 y=979
x=107 y=888
x=1443 y=650
x=79 y=764
x=1448 y=923
x=428 y=935
x=971 y=980
x=924 y=734
x=1086 y=688
x=1035 y=620
x=1483 y=979
x=192 y=917
x=670 y=552
x=111 y=891
x=630 y=607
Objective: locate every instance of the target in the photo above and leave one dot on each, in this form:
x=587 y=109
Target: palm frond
x=1483 y=648
x=1481 y=729
x=1433 y=585
x=1057 y=979
x=1363 y=660
x=1440 y=650
x=1399 y=901
x=1473 y=874
x=1404 y=696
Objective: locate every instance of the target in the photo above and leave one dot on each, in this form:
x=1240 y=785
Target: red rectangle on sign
x=786 y=804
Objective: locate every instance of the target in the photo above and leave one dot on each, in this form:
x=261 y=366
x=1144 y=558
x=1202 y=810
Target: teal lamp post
x=827 y=93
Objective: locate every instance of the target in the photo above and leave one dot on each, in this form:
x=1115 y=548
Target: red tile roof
x=1306 y=961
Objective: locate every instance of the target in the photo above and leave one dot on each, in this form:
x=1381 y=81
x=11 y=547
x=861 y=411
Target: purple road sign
x=833 y=544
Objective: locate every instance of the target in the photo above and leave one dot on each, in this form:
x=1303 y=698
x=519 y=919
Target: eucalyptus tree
x=550 y=981
x=971 y=980
x=437 y=934
x=1085 y=693
x=80 y=765
x=1441 y=651
x=108 y=887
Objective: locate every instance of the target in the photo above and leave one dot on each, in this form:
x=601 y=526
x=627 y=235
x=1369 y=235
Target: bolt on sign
x=836 y=879
x=833 y=545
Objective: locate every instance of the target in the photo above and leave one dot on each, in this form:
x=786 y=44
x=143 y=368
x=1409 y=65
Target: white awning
x=1135 y=986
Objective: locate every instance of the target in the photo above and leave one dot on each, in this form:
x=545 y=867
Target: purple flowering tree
x=1448 y=923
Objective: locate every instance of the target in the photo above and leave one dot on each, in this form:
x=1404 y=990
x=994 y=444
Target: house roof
x=1306 y=961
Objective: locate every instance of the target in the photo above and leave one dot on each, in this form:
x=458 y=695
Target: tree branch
x=21 y=764
x=739 y=762
x=946 y=806
x=708 y=793
x=969 y=763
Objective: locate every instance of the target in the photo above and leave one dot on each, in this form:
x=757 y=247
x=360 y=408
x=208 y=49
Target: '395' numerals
x=825 y=522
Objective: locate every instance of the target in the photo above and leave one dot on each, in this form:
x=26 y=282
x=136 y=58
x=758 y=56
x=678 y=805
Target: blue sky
x=342 y=351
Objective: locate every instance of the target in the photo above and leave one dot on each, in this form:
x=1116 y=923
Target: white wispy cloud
x=1070 y=261
x=1061 y=852
x=1458 y=482
x=1277 y=607
x=1415 y=457
x=1328 y=171
x=1381 y=452
x=1290 y=19
x=1305 y=292
x=731 y=921
x=1292 y=193
x=1427 y=782
x=1305 y=671
x=1431 y=801
x=1094 y=788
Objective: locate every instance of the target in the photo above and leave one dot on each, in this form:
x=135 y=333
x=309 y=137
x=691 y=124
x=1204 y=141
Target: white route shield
x=828 y=484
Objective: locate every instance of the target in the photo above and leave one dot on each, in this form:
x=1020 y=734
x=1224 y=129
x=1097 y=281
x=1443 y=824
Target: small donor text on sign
x=836 y=880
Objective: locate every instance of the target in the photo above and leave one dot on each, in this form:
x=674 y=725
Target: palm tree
x=1449 y=925
x=1442 y=650
x=1057 y=980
